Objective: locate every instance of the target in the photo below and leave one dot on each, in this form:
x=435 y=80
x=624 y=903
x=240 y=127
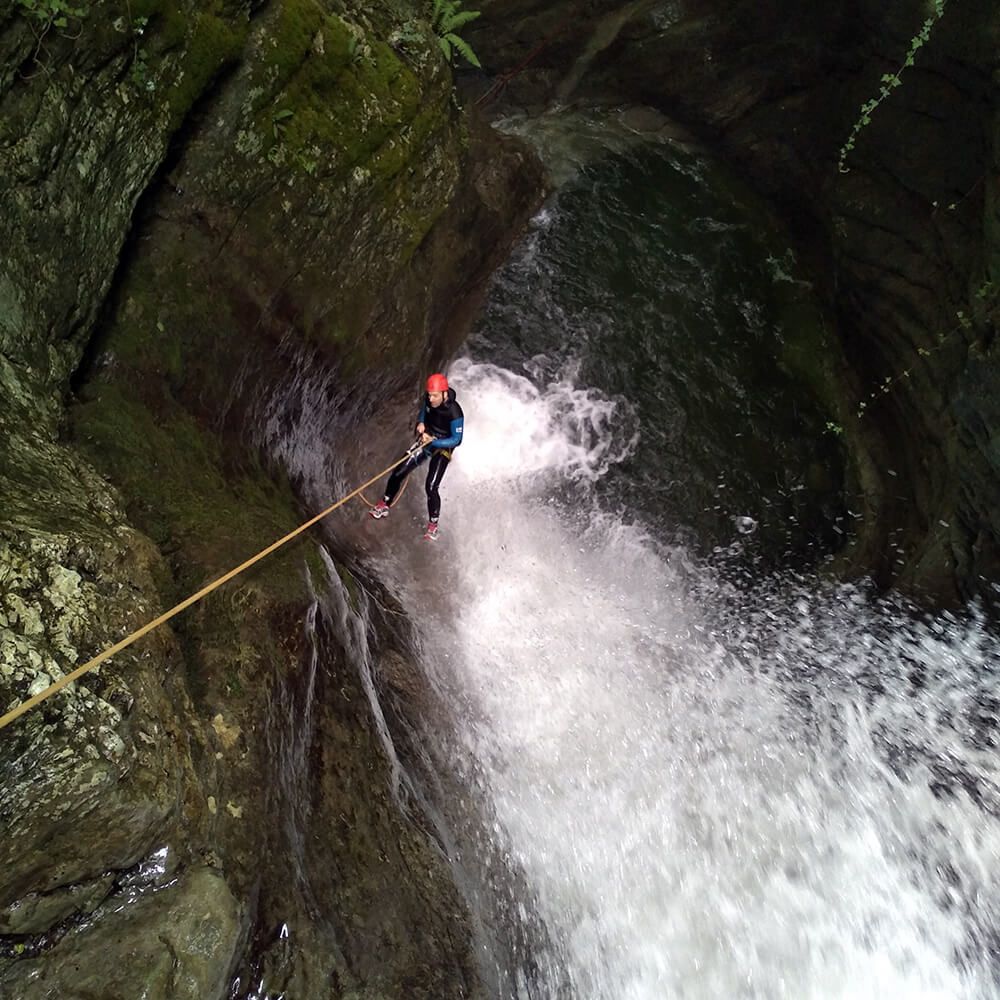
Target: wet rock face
x=904 y=245
x=192 y=189
x=176 y=939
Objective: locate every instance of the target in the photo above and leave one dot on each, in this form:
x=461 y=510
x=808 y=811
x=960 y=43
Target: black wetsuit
x=445 y=424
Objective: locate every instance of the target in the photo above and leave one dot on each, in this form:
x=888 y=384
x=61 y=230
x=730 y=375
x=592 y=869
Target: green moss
x=167 y=326
x=213 y=44
x=349 y=97
x=357 y=110
x=206 y=522
x=146 y=8
x=170 y=472
x=172 y=27
x=292 y=36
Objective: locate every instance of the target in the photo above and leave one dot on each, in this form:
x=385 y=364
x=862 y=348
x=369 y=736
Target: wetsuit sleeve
x=422 y=415
x=453 y=440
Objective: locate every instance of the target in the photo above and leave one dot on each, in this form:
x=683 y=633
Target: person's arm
x=454 y=438
x=420 y=428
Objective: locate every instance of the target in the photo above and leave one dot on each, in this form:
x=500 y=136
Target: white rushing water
x=786 y=794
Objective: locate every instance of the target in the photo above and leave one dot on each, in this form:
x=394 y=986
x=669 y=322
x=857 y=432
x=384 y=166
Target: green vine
x=139 y=72
x=889 y=82
x=985 y=295
x=44 y=16
x=52 y=13
x=447 y=17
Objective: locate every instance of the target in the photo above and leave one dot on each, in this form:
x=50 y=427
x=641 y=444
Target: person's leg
x=397 y=477
x=435 y=473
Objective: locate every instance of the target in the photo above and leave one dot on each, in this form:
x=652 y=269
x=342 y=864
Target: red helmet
x=437 y=383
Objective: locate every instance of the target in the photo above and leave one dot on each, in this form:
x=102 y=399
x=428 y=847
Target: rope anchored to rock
x=26 y=706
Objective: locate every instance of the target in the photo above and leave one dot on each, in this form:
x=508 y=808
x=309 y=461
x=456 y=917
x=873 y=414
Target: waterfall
x=709 y=784
x=789 y=792
x=666 y=780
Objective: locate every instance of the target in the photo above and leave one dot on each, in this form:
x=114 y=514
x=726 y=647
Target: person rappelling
x=439 y=427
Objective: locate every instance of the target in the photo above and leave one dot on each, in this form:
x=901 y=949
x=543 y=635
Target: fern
x=464 y=49
x=455 y=21
x=447 y=17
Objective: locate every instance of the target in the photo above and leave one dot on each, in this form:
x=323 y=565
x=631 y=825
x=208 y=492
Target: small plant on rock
x=890 y=81
x=44 y=16
x=52 y=13
x=447 y=17
x=988 y=309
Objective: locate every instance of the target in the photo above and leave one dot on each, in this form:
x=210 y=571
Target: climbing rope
x=26 y=706
x=398 y=497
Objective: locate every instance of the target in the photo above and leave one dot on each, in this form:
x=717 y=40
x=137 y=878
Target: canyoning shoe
x=431 y=533
x=381 y=509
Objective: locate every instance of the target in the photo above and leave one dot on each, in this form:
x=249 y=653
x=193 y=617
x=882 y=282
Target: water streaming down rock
x=352 y=624
x=289 y=733
x=290 y=725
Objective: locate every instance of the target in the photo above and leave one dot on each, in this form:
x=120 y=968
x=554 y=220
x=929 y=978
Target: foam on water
x=520 y=431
